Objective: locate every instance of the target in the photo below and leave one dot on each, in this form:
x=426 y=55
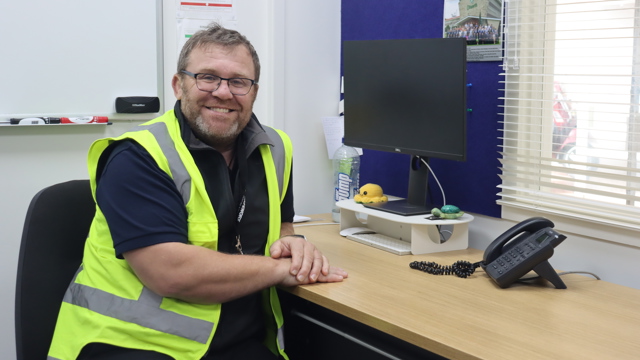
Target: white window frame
x=540 y=39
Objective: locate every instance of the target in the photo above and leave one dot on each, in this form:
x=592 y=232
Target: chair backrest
x=55 y=230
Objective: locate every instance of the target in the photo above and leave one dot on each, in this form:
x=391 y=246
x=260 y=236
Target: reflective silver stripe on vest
x=277 y=152
x=52 y=358
x=179 y=172
x=281 y=338
x=145 y=311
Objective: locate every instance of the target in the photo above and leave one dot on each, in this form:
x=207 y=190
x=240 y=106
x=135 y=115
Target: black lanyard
x=239 y=190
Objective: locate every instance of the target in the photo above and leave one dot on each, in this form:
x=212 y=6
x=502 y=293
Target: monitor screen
x=407 y=96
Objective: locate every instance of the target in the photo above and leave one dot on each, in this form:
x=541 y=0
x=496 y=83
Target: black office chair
x=55 y=230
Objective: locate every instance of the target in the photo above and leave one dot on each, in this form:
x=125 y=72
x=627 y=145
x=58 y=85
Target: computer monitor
x=407 y=96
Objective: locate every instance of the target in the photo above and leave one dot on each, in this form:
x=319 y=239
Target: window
x=571 y=130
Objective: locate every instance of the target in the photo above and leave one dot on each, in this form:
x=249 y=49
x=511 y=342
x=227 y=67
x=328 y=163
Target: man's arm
x=201 y=275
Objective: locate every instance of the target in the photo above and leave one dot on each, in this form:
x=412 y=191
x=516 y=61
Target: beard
x=205 y=130
x=218 y=140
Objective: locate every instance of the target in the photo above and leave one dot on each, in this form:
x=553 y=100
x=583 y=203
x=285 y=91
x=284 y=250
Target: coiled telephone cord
x=460 y=268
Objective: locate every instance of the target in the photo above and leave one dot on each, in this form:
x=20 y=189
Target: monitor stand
x=422 y=232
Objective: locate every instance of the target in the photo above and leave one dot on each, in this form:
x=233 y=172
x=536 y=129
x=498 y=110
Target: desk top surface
x=473 y=318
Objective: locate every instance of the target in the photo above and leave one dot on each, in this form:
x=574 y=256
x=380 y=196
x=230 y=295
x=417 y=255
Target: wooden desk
x=473 y=318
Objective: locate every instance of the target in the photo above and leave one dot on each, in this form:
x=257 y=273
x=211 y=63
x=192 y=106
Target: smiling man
x=193 y=227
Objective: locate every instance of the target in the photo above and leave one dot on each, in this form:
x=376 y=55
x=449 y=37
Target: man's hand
x=308 y=265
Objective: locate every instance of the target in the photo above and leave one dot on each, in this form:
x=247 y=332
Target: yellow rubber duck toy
x=370 y=193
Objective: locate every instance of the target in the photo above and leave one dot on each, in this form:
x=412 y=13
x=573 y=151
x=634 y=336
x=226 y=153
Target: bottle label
x=343 y=189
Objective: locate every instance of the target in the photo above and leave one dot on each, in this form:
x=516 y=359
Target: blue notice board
x=470 y=185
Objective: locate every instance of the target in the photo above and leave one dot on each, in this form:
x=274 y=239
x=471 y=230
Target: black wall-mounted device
x=137 y=104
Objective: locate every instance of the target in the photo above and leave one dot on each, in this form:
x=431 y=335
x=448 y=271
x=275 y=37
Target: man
x=193 y=226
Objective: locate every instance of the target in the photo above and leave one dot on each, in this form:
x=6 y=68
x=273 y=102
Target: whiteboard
x=74 y=57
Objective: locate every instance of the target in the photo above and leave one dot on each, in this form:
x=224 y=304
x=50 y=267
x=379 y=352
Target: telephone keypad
x=514 y=257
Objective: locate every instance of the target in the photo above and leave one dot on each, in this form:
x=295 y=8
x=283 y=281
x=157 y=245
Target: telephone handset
x=526 y=246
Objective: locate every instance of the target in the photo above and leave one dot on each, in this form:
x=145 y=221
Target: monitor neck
x=418 y=181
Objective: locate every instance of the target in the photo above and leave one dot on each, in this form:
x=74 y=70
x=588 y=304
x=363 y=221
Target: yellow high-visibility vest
x=107 y=303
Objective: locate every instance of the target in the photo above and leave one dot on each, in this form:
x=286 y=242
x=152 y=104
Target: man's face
x=216 y=117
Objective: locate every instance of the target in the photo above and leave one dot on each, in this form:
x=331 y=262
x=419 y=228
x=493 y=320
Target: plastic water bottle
x=346 y=176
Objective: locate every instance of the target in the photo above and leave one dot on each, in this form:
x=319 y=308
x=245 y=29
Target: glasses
x=211 y=83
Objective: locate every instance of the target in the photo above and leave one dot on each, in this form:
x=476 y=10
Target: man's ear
x=176 y=84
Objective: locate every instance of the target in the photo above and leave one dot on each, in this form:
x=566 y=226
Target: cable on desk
x=562 y=273
x=464 y=269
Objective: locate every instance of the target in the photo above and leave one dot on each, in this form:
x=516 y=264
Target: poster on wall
x=478 y=21
x=194 y=15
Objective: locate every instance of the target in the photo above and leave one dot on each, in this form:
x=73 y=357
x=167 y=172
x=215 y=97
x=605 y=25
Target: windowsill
x=590 y=229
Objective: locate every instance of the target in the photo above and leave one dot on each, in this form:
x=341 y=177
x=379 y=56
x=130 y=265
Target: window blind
x=571 y=122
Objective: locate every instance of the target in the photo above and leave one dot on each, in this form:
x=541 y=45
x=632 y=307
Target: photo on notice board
x=478 y=21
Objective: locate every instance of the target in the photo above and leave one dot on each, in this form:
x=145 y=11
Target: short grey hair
x=216 y=34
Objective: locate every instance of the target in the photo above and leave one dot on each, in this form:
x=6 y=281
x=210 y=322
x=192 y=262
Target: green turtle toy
x=447 y=212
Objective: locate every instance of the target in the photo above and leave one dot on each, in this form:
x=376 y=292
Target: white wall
x=312 y=91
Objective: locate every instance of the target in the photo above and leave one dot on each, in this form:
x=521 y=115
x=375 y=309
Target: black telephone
x=526 y=246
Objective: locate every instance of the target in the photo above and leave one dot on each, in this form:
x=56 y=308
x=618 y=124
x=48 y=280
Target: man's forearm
x=201 y=275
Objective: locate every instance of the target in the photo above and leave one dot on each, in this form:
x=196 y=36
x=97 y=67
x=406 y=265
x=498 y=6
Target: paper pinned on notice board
x=333 y=133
